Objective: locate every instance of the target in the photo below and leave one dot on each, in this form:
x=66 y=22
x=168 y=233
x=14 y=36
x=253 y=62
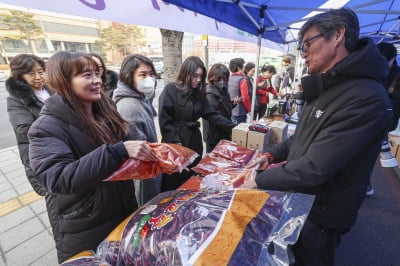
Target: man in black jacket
x=338 y=138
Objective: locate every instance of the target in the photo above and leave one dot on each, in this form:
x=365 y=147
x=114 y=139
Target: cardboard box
x=258 y=141
x=278 y=117
x=398 y=158
x=394 y=143
x=278 y=132
x=239 y=134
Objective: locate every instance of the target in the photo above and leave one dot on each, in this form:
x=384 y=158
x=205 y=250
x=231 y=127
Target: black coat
x=392 y=84
x=179 y=112
x=23 y=108
x=337 y=140
x=82 y=208
x=178 y=115
x=220 y=101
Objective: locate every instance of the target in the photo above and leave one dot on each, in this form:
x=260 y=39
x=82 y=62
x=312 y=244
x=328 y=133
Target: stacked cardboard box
x=239 y=134
x=258 y=141
x=278 y=132
x=394 y=143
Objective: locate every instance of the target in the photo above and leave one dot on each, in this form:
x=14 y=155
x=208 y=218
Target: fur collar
x=21 y=90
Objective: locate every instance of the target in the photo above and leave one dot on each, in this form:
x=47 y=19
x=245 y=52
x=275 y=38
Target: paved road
x=7 y=137
x=375 y=238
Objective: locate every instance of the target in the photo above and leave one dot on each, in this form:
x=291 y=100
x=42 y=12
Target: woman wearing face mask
x=75 y=144
x=27 y=95
x=136 y=82
x=219 y=99
x=181 y=105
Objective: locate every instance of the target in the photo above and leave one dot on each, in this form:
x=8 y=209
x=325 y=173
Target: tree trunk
x=172 y=53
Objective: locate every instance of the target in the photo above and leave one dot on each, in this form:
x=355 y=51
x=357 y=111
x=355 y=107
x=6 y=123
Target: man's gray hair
x=327 y=23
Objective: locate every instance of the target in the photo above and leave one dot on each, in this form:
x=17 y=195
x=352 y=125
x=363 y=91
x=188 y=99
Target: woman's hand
x=139 y=149
x=261 y=162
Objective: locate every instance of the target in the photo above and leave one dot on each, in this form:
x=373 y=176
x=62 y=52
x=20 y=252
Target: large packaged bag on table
x=86 y=258
x=209 y=227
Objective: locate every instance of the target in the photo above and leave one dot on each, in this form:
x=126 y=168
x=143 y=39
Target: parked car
x=159 y=66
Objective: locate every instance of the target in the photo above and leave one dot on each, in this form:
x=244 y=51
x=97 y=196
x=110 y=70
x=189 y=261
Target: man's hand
x=261 y=163
x=249 y=184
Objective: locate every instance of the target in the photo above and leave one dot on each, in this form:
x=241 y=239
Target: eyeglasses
x=305 y=45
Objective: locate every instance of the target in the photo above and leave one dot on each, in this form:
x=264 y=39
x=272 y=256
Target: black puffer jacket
x=23 y=109
x=338 y=138
x=178 y=115
x=221 y=102
x=82 y=208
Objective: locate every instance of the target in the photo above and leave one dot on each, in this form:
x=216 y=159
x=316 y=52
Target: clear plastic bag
x=210 y=227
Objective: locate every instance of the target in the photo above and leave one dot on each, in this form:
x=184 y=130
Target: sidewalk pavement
x=25 y=232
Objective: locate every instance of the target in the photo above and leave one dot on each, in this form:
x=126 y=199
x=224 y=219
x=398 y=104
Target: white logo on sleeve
x=318 y=113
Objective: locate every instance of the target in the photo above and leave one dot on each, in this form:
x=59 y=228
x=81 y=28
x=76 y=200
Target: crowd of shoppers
x=76 y=122
x=181 y=104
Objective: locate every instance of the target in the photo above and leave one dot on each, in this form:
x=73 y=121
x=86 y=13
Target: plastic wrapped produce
x=209 y=227
x=231 y=151
x=172 y=158
x=212 y=164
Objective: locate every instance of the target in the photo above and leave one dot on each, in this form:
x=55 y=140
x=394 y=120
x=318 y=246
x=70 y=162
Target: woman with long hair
x=137 y=81
x=181 y=105
x=27 y=94
x=75 y=144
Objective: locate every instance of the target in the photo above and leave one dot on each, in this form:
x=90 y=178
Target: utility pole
x=205 y=43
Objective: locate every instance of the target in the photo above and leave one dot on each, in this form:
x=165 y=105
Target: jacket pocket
x=82 y=209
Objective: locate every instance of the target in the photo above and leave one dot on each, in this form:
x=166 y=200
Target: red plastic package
x=172 y=158
x=192 y=183
x=211 y=164
x=135 y=169
x=231 y=151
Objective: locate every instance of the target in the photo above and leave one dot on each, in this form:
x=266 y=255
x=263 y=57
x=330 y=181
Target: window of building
x=41 y=46
x=16 y=46
x=75 y=46
x=56 y=45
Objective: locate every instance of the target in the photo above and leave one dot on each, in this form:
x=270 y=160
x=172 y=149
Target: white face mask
x=146 y=86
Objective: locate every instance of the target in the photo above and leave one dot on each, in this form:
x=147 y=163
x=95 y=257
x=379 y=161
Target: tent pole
x=253 y=98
